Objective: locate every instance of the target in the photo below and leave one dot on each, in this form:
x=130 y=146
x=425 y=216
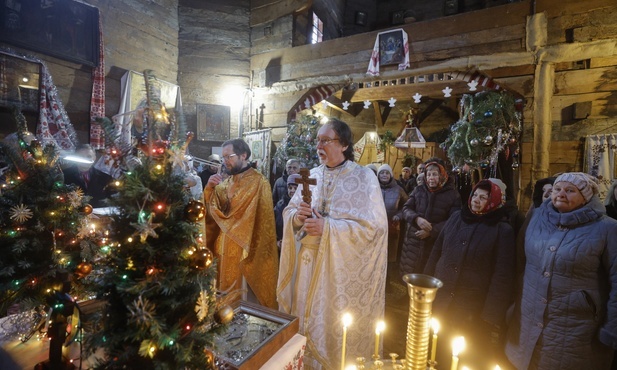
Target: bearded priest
x=340 y=265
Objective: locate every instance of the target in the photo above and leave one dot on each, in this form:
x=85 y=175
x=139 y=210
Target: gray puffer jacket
x=567 y=314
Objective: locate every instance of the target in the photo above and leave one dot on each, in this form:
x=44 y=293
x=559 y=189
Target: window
x=317 y=30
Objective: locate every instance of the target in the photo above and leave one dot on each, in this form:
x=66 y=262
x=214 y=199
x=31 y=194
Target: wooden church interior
x=558 y=56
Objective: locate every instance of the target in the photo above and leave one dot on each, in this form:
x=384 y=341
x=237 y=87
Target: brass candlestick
x=422 y=290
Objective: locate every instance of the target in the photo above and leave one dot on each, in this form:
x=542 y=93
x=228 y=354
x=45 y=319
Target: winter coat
x=394 y=197
x=280 y=188
x=565 y=318
x=474 y=259
x=436 y=208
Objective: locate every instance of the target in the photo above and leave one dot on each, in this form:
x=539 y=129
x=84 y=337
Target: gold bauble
x=194 y=211
x=86 y=209
x=224 y=315
x=83 y=269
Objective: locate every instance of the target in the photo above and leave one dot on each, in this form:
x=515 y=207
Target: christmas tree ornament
x=86 y=209
x=83 y=269
x=488 y=140
x=194 y=211
x=474 y=142
x=20 y=213
x=202 y=258
x=224 y=315
x=488 y=114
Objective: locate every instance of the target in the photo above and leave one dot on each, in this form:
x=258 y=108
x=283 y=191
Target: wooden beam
x=276 y=9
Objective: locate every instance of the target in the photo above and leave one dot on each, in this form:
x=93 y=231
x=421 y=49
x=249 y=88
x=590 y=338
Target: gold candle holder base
x=422 y=290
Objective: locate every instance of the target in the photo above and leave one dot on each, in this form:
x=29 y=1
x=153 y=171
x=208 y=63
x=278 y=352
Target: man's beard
x=235 y=169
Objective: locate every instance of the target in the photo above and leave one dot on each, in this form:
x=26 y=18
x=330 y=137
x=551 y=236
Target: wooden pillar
x=542 y=120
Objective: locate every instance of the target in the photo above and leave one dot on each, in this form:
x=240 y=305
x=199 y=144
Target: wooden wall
x=138 y=35
x=214 y=43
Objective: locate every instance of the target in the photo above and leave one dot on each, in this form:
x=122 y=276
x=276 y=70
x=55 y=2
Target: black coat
x=436 y=208
x=474 y=257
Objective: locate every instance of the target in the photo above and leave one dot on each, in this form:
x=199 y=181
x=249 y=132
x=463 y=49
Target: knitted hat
x=385 y=167
x=291 y=179
x=585 y=183
x=406 y=169
x=372 y=167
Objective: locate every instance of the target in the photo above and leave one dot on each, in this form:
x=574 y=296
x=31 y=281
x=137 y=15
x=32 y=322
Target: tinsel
x=489 y=122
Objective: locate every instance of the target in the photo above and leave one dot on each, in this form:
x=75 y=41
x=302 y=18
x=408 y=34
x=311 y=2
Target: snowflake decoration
x=142 y=311
x=392 y=101
x=473 y=85
x=145 y=228
x=447 y=92
x=75 y=197
x=416 y=98
x=345 y=105
x=203 y=306
x=176 y=158
x=85 y=228
x=367 y=104
x=307 y=103
x=20 y=213
x=324 y=104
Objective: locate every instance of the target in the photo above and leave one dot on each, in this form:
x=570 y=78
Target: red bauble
x=83 y=269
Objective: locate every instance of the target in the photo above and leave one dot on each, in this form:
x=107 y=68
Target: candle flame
x=381 y=326
x=346 y=319
x=458 y=345
x=435 y=325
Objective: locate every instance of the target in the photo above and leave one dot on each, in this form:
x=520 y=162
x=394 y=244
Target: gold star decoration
x=20 y=213
x=145 y=228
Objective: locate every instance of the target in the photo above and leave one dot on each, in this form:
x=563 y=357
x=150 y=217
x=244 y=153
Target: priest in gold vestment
x=240 y=226
x=339 y=265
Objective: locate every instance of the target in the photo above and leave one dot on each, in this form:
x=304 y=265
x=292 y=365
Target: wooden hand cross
x=305 y=180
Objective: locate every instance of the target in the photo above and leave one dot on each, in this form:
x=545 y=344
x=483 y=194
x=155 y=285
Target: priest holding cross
x=338 y=220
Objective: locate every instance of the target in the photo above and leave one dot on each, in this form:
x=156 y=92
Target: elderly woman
x=566 y=315
x=426 y=211
x=474 y=258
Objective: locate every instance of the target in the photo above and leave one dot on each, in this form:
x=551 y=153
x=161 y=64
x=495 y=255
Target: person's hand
x=314 y=225
x=422 y=234
x=424 y=224
x=303 y=211
x=214 y=180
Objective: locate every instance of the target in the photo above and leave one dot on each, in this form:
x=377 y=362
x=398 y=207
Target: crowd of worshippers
x=535 y=289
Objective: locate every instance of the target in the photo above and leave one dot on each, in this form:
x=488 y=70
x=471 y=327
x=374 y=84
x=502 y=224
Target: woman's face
x=479 y=198
x=431 y=177
x=566 y=197
x=547 y=189
x=384 y=176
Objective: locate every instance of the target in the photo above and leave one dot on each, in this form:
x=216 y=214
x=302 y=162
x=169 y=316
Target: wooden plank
x=555 y=8
x=586 y=81
x=561 y=152
x=275 y=10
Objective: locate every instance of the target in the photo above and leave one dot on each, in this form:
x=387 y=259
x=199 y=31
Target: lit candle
x=458 y=345
x=435 y=327
x=380 y=327
x=346 y=323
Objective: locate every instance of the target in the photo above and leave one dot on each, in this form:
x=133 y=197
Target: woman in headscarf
x=474 y=258
x=566 y=315
x=611 y=201
x=426 y=211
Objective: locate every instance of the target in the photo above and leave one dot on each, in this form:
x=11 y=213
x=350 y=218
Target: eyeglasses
x=325 y=141
x=226 y=157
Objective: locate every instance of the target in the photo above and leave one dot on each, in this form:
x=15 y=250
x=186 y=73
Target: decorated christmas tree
x=46 y=239
x=157 y=276
x=299 y=142
x=489 y=124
